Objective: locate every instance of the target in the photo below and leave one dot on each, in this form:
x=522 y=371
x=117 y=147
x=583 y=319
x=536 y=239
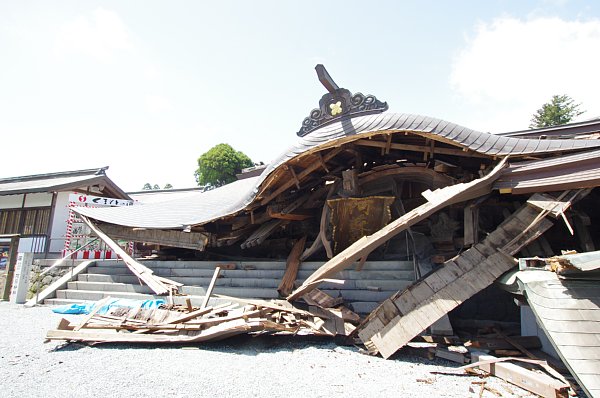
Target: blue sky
x=146 y=87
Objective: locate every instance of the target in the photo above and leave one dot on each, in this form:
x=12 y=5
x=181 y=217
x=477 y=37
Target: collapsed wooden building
x=448 y=207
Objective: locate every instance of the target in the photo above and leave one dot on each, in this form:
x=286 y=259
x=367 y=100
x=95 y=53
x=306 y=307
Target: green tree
x=560 y=110
x=147 y=187
x=168 y=186
x=219 y=165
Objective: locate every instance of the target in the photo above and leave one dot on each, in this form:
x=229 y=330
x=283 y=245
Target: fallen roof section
x=409 y=312
x=320 y=146
x=192 y=209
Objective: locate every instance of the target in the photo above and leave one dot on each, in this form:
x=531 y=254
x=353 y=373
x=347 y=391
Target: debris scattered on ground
x=171 y=325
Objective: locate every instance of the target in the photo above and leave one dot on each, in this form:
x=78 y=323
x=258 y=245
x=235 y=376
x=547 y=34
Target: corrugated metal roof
x=346 y=130
x=564 y=131
x=585 y=262
x=61 y=181
x=195 y=208
x=163 y=195
x=569 y=312
x=581 y=170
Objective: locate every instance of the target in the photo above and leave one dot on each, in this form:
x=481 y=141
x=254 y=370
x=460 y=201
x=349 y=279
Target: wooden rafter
x=322 y=162
x=294 y=176
x=301 y=175
x=420 y=148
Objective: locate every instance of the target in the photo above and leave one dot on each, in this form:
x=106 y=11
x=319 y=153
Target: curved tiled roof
x=232 y=198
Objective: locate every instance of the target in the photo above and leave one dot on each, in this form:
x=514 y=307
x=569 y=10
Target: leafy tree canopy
x=560 y=110
x=168 y=186
x=219 y=165
x=147 y=187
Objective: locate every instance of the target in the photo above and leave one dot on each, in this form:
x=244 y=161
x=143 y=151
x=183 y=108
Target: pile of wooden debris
x=177 y=324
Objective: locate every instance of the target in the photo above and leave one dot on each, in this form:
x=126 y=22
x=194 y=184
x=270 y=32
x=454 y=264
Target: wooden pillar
x=10 y=267
x=50 y=222
x=350 y=182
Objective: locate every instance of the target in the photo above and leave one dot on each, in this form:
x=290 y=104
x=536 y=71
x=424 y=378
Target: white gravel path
x=240 y=367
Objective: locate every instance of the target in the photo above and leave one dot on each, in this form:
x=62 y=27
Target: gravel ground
x=239 y=367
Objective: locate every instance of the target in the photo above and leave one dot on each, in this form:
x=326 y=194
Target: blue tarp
x=86 y=308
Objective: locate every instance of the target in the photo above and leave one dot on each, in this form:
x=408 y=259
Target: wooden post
x=291 y=269
x=10 y=267
x=211 y=286
x=350 y=182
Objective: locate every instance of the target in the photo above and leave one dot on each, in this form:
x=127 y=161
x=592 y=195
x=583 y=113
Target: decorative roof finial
x=338 y=104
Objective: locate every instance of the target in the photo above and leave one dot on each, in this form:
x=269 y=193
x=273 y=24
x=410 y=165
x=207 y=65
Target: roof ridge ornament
x=338 y=104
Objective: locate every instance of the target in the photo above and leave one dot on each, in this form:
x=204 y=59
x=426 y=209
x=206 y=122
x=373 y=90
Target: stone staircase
x=362 y=290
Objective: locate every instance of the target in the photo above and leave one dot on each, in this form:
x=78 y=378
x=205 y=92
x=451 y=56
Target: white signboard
x=78 y=233
x=97 y=200
x=18 y=293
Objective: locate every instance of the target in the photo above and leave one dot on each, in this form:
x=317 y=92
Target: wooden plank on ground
x=538 y=383
x=97 y=306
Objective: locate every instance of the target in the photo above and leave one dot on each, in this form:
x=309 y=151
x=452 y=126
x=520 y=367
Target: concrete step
x=360 y=295
x=57 y=301
x=128 y=287
x=92 y=295
x=363 y=307
x=175 y=273
x=261 y=293
x=78 y=296
x=391 y=284
x=258 y=265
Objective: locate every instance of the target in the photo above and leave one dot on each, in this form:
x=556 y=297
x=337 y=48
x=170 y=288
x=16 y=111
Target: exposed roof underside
x=451 y=138
x=62 y=181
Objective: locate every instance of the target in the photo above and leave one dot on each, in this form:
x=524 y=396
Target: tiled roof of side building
x=60 y=181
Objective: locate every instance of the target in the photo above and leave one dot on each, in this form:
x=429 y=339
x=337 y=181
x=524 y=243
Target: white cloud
x=521 y=64
x=157 y=103
x=98 y=36
x=151 y=72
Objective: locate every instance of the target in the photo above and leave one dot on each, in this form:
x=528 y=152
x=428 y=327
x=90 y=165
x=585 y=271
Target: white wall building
x=37 y=206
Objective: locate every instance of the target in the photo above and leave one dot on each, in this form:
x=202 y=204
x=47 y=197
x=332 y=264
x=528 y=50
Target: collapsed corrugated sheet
x=195 y=208
x=569 y=312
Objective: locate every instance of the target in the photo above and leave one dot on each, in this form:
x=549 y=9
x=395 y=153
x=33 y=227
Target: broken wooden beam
x=538 y=383
x=172 y=238
x=435 y=201
x=411 y=311
x=211 y=286
x=291 y=268
x=160 y=286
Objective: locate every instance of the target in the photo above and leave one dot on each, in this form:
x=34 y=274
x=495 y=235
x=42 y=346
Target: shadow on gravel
x=241 y=345
x=68 y=346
